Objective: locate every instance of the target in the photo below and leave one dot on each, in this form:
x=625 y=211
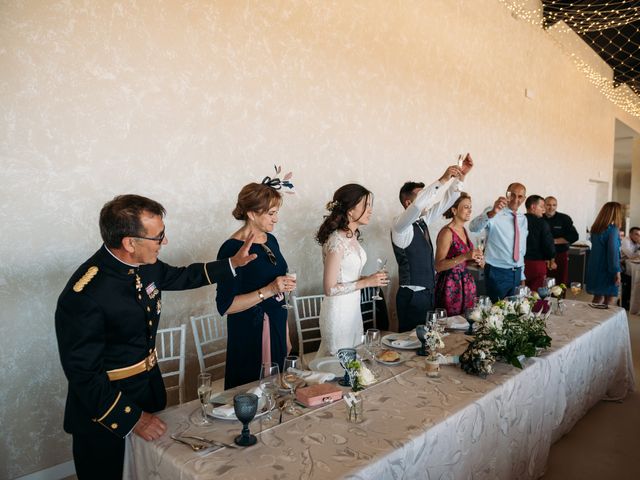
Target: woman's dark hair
x=120 y=218
x=449 y=213
x=255 y=197
x=345 y=198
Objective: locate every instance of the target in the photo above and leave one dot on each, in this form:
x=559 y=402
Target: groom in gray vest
x=412 y=244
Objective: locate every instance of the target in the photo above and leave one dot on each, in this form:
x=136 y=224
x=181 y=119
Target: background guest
x=630 y=247
x=343 y=258
x=412 y=245
x=256 y=321
x=506 y=242
x=540 y=248
x=564 y=234
x=455 y=288
x=603 y=271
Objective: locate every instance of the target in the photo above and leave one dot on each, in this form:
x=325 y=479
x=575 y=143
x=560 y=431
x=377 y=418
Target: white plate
x=403 y=358
x=387 y=339
x=262 y=410
x=327 y=364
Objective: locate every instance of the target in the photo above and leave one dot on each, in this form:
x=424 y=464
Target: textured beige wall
x=187 y=101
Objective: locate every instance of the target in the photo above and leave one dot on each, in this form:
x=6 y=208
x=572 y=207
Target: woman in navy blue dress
x=256 y=321
x=603 y=270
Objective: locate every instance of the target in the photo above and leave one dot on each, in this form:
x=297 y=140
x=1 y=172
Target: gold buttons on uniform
x=114 y=426
x=151 y=350
x=150 y=323
x=127 y=409
x=139 y=297
x=148 y=309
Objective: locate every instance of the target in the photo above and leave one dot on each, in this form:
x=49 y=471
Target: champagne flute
x=269 y=374
x=291 y=273
x=460 y=161
x=481 y=243
x=291 y=380
x=204 y=394
x=382 y=264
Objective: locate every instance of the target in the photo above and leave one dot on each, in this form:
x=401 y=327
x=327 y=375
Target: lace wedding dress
x=340 y=315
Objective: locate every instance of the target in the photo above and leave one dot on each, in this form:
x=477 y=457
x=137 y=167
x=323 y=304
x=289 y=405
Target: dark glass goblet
x=346 y=356
x=468 y=315
x=245 y=405
x=421 y=332
x=544 y=292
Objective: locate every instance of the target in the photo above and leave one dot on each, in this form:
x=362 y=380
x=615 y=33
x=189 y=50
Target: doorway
x=625 y=137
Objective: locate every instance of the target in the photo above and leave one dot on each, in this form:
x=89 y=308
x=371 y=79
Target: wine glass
x=481 y=241
x=421 y=332
x=549 y=282
x=544 y=292
x=291 y=273
x=484 y=302
x=508 y=196
x=382 y=264
x=460 y=160
x=431 y=320
x=576 y=288
x=373 y=342
x=269 y=373
x=468 y=314
x=346 y=356
x=441 y=316
x=245 y=406
x=291 y=380
x=204 y=394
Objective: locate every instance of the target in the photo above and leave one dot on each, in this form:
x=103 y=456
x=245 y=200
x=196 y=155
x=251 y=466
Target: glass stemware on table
x=291 y=273
x=421 y=333
x=245 y=406
x=204 y=395
x=382 y=268
x=373 y=342
x=291 y=381
x=269 y=376
x=441 y=319
x=576 y=288
x=346 y=356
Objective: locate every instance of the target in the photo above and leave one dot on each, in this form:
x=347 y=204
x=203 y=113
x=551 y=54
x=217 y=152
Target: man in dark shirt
x=564 y=234
x=540 y=248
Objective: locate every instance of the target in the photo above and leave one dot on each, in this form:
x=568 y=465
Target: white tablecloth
x=456 y=426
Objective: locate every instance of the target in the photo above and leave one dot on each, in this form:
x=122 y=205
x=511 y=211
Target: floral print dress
x=455 y=288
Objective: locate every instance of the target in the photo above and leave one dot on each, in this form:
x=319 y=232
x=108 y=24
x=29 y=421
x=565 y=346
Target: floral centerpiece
x=360 y=375
x=508 y=330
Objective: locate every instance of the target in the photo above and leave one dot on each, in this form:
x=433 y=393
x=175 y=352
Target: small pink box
x=320 y=394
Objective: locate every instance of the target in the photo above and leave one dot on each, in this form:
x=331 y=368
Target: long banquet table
x=454 y=427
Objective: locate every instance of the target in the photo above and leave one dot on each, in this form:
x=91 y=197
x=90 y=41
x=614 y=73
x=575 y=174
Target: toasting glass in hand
x=204 y=394
x=245 y=406
x=291 y=273
x=269 y=374
x=382 y=264
x=421 y=332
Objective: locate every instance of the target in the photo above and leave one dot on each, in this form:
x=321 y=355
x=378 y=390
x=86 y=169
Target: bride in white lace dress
x=343 y=257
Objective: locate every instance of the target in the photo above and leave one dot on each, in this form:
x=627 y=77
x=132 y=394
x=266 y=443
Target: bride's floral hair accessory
x=285 y=185
x=333 y=205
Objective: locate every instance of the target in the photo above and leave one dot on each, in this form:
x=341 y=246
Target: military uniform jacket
x=107 y=318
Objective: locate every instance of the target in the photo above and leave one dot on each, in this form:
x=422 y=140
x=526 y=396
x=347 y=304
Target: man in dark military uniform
x=106 y=322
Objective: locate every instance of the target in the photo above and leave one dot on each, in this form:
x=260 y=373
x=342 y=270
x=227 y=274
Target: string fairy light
x=610 y=27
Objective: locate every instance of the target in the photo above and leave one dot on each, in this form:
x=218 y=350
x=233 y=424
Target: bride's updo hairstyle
x=345 y=199
x=256 y=197
x=449 y=213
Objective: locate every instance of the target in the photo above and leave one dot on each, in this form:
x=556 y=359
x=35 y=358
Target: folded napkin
x=224 y=411
x=458 y=323
x=313 y=377
x=405 y=342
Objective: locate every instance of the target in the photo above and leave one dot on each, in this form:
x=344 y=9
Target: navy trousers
x=412 y=307
x=501 y=282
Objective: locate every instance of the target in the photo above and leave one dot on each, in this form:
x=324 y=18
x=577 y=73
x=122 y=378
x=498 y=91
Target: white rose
x=556 y=290
x=482 y=355
x=525 y=308
x=476 y=315
x=495 y=309
x=365 y=376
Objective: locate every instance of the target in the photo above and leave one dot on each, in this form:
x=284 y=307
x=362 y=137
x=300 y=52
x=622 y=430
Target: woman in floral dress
x=455 y=288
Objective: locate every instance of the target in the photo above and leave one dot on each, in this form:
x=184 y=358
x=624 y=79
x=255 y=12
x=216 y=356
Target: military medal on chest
x=151 y=290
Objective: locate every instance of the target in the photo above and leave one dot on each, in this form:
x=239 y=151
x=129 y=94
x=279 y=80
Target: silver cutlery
x=196 y=447
x=212 y=442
